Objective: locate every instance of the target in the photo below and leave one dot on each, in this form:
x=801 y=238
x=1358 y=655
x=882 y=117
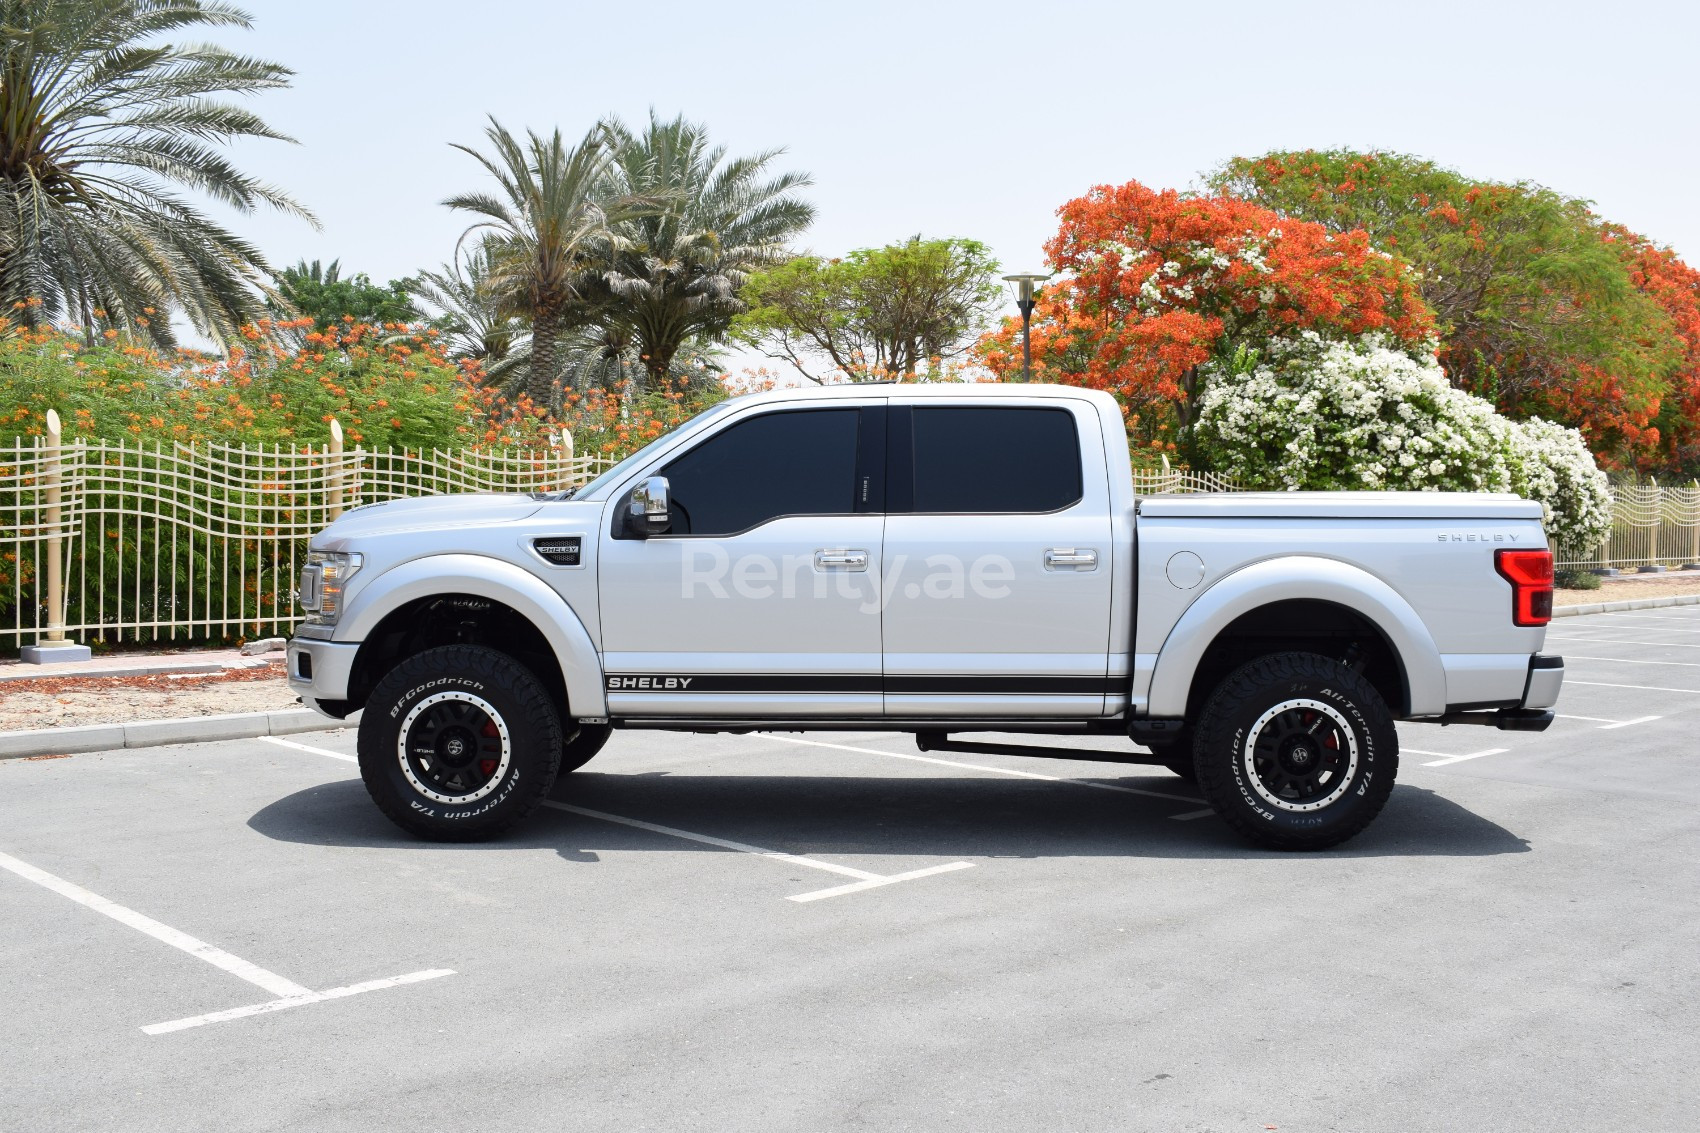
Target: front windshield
x=643 y=454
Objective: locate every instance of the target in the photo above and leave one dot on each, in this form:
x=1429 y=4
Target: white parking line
x=1648 y=618
x=165 y=934
x=310 y=748
x=1627 y=661
x=293 y=1001
x=876 y=882
x=1458 y=758
x=1623 y=641
x=1607 y=724
x=983 y=767
x=292 y=994
x=864 y=879
x=1644 y=688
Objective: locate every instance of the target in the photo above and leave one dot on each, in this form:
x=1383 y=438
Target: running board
x=1042 y=725
x=941 y=741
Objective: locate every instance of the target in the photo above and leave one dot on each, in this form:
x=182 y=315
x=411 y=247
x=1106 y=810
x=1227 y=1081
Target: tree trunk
x=1186 y=410
x=545 y=358
x=658 y=362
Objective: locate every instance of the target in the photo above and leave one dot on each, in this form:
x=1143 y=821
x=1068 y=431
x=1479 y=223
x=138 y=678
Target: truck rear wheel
x=1296 y=751
x=583 y=746
x=459 y=743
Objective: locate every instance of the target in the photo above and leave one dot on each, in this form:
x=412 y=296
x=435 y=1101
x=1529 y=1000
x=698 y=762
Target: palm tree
x=101 y=126
x=474 y=320
x=674 y=273
x=554 y=210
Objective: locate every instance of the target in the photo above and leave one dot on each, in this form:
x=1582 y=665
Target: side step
x=941 y=741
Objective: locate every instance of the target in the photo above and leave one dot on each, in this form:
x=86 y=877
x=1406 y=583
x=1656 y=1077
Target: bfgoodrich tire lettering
x=1296 y=751
x=459 y=744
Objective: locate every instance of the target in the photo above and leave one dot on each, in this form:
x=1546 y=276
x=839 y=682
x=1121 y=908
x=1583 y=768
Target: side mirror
x=647 y=512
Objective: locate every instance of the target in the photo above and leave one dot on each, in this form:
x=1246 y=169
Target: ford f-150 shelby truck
x=933 y=559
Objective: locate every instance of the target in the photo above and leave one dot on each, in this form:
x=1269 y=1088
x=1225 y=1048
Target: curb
x=162 y=667
x=152 y=733
x=1619 y=607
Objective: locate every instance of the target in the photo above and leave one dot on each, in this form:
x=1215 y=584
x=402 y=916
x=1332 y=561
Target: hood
x=428 y=513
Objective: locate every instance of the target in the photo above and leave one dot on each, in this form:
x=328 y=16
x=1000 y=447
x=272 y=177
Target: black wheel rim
x=1301 y=754
x=454 y=747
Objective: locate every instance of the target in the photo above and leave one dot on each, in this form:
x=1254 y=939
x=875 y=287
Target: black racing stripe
x=727 y=683
x=741 y=682
x=1035 y=685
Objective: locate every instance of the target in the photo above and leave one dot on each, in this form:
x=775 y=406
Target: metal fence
x=1651 y=525
x=180 y=542
x=1151 y=482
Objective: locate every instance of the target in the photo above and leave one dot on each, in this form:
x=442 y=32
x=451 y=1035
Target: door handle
x=841 y=560
x=1081 y=558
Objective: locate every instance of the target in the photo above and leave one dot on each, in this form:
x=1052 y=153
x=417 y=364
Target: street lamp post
x=1026 y=287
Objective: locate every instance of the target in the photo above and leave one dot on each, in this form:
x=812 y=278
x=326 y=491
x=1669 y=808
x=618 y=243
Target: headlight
x=323 y=580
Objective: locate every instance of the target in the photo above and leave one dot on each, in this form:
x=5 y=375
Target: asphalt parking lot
x=832 y=931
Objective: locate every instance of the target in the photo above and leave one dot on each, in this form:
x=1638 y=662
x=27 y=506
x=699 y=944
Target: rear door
x=998 y=578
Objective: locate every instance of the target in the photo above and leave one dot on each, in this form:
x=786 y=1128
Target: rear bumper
x=1531 y=714
x=1546 y=677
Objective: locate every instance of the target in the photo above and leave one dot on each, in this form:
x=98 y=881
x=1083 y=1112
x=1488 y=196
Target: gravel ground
x=66 y=702
x=1633 y=586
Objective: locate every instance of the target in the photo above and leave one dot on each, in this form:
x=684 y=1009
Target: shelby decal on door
x=615 y=684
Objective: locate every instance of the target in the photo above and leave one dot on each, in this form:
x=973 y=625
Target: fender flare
x=1288 y=578
x=499 y=581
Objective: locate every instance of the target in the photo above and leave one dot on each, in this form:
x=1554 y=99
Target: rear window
x=985 y=459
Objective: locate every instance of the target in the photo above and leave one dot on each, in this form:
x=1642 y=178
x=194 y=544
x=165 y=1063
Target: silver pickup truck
x=933 y=559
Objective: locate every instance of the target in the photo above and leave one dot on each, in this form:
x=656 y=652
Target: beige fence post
x=53 y=647
x=334 y=480
x=1694 y=531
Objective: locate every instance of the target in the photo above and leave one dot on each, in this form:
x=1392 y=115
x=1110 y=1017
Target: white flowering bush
x=1358 y=415
x=1552 y=464
x=1316 y=414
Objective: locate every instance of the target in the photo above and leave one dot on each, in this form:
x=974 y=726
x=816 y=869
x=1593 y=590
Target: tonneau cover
x=1340 y=505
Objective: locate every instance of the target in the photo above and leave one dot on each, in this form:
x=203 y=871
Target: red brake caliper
x=488 y=766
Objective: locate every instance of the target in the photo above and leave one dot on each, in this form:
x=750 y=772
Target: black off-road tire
x=483 y=744
x=1296 y=751
x=583 y=746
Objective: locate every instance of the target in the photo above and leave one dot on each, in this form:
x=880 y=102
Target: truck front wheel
x=459 y=743
x=1296 y=751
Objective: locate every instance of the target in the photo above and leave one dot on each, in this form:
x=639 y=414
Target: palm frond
x=102 y=120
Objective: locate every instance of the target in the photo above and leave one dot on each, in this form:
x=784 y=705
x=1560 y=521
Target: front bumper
x=319 y=670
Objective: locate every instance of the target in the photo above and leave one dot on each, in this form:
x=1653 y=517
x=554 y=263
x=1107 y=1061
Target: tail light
x=1530 y=576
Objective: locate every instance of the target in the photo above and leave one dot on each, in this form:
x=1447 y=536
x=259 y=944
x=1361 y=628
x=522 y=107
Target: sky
x=968 y=120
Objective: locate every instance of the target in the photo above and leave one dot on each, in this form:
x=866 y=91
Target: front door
x=997 y=560
x=763 y=597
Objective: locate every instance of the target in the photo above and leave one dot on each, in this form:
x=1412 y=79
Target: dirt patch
x=67 y=702
x=1630 y=587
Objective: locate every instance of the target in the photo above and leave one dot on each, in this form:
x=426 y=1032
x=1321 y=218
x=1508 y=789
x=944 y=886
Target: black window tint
x=987 y=459
x=799 y=463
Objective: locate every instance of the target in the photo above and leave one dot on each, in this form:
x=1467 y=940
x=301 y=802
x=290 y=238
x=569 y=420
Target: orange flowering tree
x=1155 y=284
x=1675 y=287
x=391 y=385
x=1535 y=308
